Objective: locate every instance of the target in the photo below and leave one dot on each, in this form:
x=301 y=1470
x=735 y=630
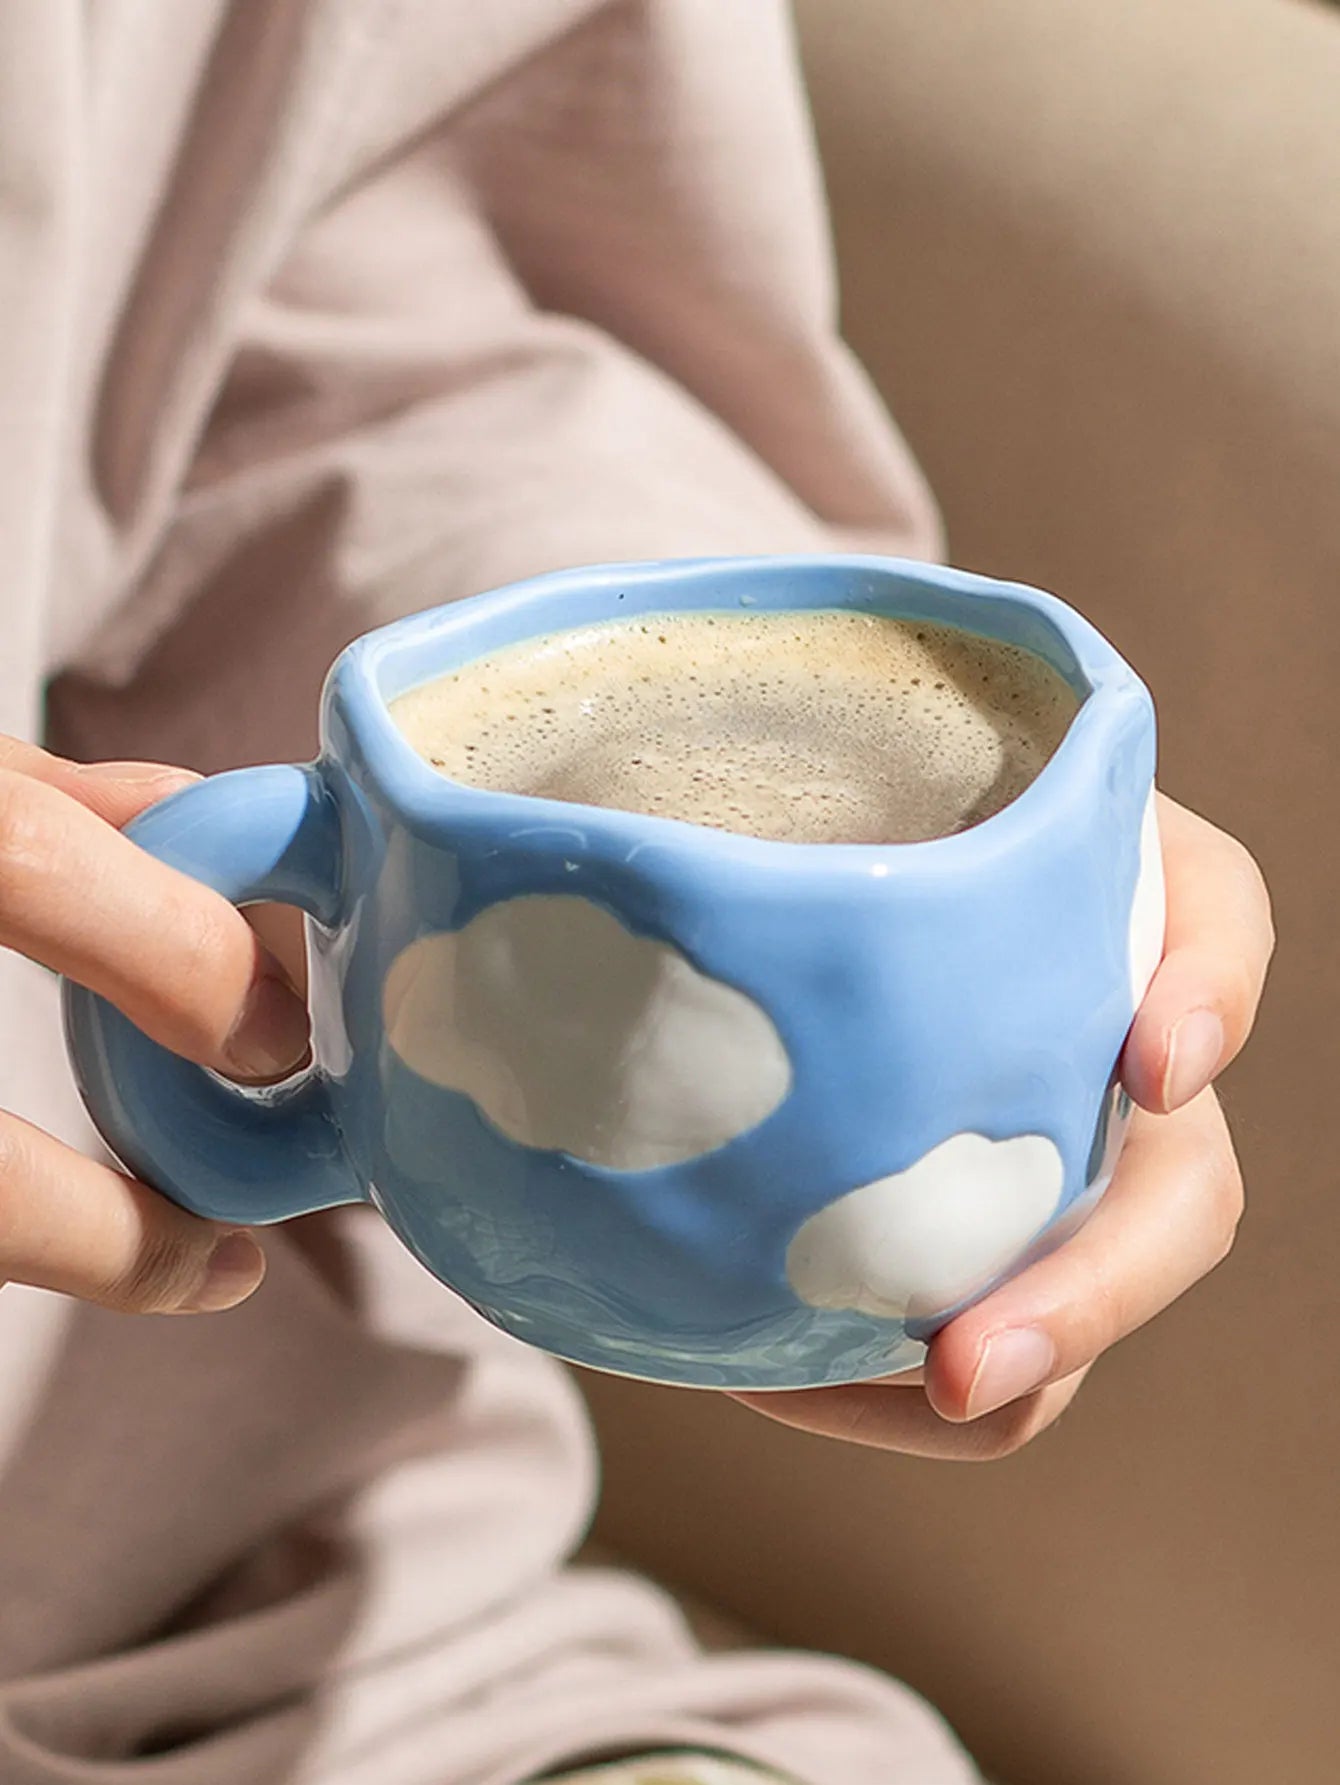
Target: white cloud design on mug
x=574 y=1035
x=921 y=1240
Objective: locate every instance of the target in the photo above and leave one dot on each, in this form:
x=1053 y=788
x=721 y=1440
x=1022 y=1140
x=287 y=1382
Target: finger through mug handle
x=224 y=1152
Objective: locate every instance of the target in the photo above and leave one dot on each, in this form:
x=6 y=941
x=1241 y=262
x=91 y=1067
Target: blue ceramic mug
x=661 y=1099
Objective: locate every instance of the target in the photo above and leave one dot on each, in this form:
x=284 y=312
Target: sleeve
x=586 y=315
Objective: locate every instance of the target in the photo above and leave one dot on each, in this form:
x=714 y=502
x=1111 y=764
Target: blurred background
x=1091 y=254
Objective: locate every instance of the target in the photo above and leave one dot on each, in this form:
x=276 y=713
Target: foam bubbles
x=815 y=726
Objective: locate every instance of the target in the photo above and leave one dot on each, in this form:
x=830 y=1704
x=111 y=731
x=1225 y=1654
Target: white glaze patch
x=923 y=1239
x=1147 y=907
x=572 y=1034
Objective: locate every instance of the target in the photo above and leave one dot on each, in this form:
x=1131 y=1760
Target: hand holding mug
x=669 y=1100
x=1006 y=1368
x=178 y=960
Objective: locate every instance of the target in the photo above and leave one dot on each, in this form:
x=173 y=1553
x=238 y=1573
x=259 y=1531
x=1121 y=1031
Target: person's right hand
x=184 y=966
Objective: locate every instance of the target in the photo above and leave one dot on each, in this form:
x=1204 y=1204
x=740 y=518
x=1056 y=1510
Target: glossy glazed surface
x=664 y=1099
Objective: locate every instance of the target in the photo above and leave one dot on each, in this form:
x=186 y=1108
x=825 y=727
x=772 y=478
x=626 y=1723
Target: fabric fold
x=322 y=313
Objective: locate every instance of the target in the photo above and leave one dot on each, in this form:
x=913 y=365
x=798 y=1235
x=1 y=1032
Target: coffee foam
x=812 y=726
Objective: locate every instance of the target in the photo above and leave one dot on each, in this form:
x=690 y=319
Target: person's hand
x=181 y=963
x=1004 y=1370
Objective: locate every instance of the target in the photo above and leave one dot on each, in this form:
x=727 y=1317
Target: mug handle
x=224 y=1152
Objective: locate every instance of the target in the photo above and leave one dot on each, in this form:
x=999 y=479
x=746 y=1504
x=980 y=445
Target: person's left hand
x=1005 y=1369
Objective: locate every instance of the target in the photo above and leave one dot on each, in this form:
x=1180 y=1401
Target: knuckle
x=1241 y=983
x=1259 y=894
x=1102 y=1309
x=24 y=825
x=1240 y=860
x=13 y=1170
x=200 y=950
x=162 y=1275
x=1109 y=1306
x=865 y=1421
x=1245 y=870
x=196 y=934
x=1228 y=1206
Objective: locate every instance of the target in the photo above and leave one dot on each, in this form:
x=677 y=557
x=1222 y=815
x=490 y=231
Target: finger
x=115 y=791
x=1168 y=1217
x=174 y=956
x=280 y=928
x=884 y=1416
x=119 y=791
x=70 y=1224
x=1202 y=1002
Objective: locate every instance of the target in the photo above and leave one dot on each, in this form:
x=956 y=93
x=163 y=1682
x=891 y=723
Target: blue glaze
x=976 y=984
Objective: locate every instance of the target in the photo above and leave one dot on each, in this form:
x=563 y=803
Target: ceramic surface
x=662 y=1099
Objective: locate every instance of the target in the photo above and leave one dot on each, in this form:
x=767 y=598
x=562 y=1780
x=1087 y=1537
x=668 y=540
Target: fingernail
x=1194 y=1050
x=235 y=1268
x=269 y=1039
x=1013 y=1365
x=134 y=774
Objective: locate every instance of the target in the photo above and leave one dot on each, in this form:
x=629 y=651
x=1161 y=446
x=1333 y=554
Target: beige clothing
x=674 y=1769
x=317 y=312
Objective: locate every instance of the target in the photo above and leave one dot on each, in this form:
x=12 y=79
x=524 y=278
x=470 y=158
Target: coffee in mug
x=807 y=727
